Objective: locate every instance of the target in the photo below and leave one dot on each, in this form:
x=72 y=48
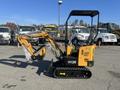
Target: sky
x=46 y=11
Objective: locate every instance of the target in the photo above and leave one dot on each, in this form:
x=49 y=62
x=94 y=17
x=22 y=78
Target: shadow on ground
x=18 y=56
x=115 y=74
x=41 y=64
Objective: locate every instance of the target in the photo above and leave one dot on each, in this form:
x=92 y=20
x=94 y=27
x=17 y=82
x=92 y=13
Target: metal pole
x=59 y=12
x=97 y=28
x=91 y=22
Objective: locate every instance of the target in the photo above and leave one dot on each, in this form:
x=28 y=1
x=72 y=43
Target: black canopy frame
x=89 y=13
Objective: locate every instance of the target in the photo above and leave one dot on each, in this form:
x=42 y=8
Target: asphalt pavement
x=20 y=75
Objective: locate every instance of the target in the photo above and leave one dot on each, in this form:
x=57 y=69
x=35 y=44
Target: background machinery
x=72 y=62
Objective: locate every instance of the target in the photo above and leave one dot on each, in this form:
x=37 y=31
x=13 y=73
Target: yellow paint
x=42 y=51
x=86 y=54
x=69 y=50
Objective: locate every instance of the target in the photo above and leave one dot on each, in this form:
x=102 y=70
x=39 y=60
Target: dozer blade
x=72 y=72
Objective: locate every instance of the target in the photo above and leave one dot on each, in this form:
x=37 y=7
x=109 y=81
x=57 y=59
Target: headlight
x=6 y=37
x=80 y=36
x=106 y=37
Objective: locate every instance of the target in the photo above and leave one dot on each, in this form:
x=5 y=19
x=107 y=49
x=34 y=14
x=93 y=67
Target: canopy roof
x=91 y=13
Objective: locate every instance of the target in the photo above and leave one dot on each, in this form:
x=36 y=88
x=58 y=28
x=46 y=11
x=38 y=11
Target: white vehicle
x=5 y=35
x=80 y=33
x=104 y=36
x=27 y=30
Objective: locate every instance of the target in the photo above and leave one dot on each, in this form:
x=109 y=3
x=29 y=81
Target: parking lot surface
x=22 y=76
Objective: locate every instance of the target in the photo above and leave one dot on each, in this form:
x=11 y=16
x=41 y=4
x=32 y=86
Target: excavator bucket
x=27 y=54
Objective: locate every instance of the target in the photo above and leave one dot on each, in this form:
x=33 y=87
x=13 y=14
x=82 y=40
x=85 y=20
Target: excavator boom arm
x=29 y=49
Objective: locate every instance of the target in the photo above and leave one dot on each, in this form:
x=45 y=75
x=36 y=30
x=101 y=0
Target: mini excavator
x=73 y=62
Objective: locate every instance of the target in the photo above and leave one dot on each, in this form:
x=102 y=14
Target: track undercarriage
x=66 y=72
x=72 y=72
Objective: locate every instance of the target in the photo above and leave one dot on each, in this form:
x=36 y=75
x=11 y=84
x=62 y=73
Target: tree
x=81 y=23
x=75 y=22
x=12 y=26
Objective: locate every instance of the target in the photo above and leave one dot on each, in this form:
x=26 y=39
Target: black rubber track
x=72 y=72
